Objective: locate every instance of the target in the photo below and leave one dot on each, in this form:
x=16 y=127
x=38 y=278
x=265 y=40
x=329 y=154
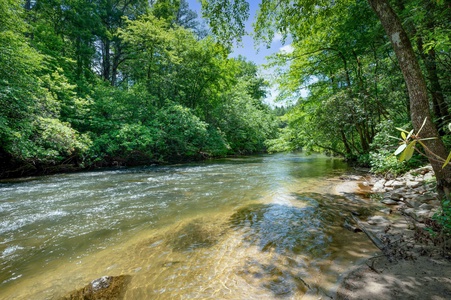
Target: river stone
x=422 y=214
x=409 y=177
x=426 y=206
x=389 y=202
x=389 y=183
x=396 y=196
x=426 y=197
x=386 y=211
x=397 y=184
x=379 y=186
x=413 y=184
x=106 y=287
x=351 y=177
x=409 y=211
x=377 y=220
x=414 y=202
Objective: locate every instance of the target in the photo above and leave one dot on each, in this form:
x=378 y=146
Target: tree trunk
x=416 y=85
x=106 y=57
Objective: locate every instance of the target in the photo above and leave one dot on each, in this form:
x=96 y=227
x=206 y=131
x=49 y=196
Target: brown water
x=265 y=227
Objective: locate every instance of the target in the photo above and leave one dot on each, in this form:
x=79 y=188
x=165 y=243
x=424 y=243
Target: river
x=260 y=227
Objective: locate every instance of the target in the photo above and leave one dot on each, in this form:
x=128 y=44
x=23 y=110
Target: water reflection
x=296 y=238
x=284 y=229
x=237 y=228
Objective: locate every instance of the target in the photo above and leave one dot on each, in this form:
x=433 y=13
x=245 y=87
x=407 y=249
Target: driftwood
x=376 y=241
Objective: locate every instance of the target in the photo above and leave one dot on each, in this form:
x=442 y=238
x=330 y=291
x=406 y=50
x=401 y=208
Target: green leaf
x=447 y=160
x=403 y=135
x=400 y=148
x=394 y=137
x=402 y=130
x=409 y=150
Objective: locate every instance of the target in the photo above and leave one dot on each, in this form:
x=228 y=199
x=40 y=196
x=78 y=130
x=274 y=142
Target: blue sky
x=248 y=49
x=253 y=52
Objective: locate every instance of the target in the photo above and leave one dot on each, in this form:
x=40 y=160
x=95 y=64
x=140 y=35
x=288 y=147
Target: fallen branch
x=376 y=241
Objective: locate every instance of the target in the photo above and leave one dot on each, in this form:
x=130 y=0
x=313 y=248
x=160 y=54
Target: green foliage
x=384 y=162
x=443 y=217
x=131 y=143
x=226 y=18
x=114 y=82
x=382 y=158
x=185 y=135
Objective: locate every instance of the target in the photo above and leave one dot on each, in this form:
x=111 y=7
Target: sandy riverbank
x=412 y=269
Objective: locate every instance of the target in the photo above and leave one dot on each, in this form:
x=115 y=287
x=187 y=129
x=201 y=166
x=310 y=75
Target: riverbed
x=260 y=227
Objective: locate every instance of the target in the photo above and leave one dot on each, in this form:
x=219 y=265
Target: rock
x=412 y=184
x=422 y=214
x=397 y=184
x=420 y=190
x=389 y=183
x=378 y=186
x=101 y=283
x=426 y=206
x=409 y=211
x=389 y=202
x=352 y=177
x=428 y=176
x=414 y=202
x=386 y=211
x=396 y=196
x=106 y=287
x=409 y=177
x=377 y=220
x=435 y=203
x=426 y=197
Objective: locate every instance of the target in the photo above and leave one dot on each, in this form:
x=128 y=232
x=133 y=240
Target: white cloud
x=277 y=37
x=287 y=49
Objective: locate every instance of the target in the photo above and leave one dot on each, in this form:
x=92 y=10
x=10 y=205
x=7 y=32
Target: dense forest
x=370 y=67
x=126 y=82
x=357 y=94
x=120 y=82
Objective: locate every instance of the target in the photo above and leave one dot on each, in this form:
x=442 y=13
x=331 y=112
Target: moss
x=107 y=287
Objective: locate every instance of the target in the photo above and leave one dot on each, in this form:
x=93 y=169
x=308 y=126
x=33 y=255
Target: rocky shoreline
x=412 y=194
x=413 y=263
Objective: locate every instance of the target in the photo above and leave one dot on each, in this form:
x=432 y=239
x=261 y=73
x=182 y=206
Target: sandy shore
x=409 y=274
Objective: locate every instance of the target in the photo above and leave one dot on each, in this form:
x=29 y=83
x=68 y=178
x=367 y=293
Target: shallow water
x=264 y=227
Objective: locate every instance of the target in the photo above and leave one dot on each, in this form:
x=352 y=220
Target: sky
x=248 y=49
x=251 y=51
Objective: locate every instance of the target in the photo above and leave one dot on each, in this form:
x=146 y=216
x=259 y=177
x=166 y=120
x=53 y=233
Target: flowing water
x=264 y=227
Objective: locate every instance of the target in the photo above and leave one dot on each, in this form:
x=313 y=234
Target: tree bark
x=416 y=85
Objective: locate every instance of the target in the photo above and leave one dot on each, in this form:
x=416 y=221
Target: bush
x=382 y=158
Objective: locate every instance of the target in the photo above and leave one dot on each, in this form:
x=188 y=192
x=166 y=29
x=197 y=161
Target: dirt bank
x=412 y=264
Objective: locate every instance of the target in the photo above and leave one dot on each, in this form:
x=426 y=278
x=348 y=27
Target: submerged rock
x=106 y=287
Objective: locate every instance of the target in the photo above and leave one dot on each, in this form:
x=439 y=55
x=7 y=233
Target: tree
x=416 y=85
x=297 y=17
x=31 y=102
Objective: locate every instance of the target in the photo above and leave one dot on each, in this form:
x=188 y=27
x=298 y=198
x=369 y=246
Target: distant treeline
x=124 y=82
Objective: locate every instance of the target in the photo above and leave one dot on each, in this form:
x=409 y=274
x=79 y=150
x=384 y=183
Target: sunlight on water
x=262 y=227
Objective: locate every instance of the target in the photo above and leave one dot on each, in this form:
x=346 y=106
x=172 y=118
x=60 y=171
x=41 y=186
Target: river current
x=261 y=227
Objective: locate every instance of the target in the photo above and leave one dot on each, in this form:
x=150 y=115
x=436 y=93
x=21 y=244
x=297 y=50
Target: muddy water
x=265 y=227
